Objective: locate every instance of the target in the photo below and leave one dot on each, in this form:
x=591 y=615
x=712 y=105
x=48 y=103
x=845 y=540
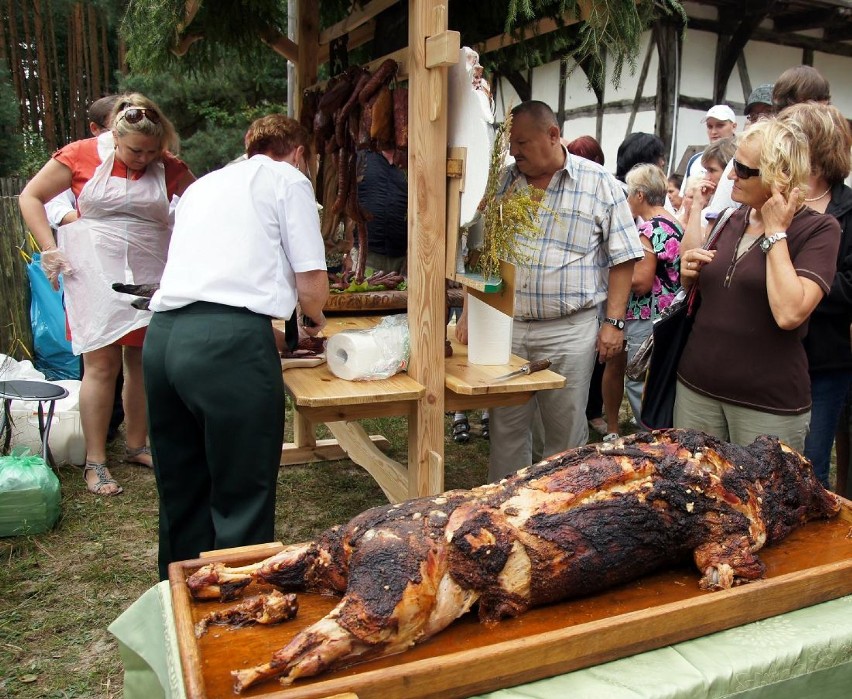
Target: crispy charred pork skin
x=576 y=523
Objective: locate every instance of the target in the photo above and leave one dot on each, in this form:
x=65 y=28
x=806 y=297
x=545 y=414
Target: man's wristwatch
x=616 y=322
x=767 y=243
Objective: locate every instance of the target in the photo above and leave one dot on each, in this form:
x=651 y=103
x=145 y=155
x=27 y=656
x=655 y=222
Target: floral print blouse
x=665 y=236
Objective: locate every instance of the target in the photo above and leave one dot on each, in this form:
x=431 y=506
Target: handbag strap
x=717 y=228
x=708 y=245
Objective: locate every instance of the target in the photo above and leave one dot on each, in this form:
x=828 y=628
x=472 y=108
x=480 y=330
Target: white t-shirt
x=241 y=233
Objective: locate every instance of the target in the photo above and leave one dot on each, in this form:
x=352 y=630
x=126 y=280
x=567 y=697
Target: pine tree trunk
x=95 y=85
x=31 y=83
x=17 y=65
x=60 y=98
x=43 y=68
x=105 y=57
x=78 y=76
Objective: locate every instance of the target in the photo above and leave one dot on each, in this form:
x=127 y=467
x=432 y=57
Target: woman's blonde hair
x=784 y=154
x=650 y=180
x=829 y=138
x=161 y=129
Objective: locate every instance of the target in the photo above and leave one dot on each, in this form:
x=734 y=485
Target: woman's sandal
x=97 y=488
x=132 y=456
x=461 y=429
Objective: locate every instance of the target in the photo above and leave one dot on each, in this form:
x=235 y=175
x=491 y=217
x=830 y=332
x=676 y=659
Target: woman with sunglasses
x=124 y=181
x=744 y=371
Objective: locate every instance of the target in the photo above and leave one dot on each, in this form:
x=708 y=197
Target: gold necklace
x=820 y=196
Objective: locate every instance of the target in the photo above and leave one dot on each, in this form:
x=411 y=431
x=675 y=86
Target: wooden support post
x=427 y=198
x=306 y=68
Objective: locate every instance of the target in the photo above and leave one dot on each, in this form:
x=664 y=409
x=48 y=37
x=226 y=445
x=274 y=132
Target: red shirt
x=82 y=158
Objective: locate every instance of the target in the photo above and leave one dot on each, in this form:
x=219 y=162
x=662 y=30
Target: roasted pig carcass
x=272 y=608
x=574 y=524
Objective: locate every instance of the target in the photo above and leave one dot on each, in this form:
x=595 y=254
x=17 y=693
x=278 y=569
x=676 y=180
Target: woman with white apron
x=124 y=182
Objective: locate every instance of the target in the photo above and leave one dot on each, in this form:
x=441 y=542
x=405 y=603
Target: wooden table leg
x=391 y=476
x=304 y=434
x=306 y=448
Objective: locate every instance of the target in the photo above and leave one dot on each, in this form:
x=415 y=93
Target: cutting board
x=812 y=565
x=300 y=363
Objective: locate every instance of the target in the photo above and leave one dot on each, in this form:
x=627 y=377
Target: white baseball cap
x=722 y=112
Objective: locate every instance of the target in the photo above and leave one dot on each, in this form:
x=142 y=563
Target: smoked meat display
x=576 y=523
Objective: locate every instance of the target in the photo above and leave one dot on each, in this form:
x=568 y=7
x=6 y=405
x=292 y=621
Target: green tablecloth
x=799 y=655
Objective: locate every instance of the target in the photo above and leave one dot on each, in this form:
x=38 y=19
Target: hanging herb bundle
x=510 y=220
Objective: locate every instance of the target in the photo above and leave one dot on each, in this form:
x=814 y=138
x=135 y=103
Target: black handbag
x=669 y=335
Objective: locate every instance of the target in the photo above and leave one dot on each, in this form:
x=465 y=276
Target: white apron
x=122 y=235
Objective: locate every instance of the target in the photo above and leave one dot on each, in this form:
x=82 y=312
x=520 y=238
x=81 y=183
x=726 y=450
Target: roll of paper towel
x=363 y=355
x=489 y=333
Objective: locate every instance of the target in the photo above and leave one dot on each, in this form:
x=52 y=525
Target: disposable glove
x=54 y=263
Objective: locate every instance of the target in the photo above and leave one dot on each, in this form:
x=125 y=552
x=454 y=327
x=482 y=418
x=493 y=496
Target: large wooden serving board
x=813 y=565
x=367 y=301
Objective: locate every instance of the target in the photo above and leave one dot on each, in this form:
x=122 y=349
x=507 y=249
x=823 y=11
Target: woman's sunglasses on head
x=744 y=171
x=133 y=115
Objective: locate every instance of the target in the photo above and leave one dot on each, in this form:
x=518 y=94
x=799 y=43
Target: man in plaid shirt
x=583 y=258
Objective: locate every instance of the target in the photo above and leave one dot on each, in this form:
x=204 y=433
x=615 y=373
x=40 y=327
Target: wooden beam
x=427 y=200
x=834 y=48
x=280 y=44
x=745 y=79
x=537 y=28
x=443 y=49
x=730 y=47
x=809 y=19
x=357 y=37
x=667 y=35
x=355 y=20
x=521 y=84
x=308 y=48
x=640 y=86
x=839 y=32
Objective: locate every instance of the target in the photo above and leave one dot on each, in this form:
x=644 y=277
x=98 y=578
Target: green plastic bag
x=29 y=495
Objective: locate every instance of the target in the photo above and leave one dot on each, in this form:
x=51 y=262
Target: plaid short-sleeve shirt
x=586 y=228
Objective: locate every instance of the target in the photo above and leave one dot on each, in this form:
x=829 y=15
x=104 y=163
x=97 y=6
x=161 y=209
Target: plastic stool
x=41 y=391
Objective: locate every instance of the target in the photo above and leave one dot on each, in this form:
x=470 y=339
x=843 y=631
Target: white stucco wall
x=764 y=61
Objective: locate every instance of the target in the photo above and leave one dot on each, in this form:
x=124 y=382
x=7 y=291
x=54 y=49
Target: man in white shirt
x=246 y=248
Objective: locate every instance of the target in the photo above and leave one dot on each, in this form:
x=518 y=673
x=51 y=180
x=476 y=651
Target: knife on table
x=528 y=368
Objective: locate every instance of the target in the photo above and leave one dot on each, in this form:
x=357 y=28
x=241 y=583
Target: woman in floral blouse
x=656 y=281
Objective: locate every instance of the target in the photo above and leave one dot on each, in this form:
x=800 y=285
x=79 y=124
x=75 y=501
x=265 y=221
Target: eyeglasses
x=133 y=115
x=744 y=172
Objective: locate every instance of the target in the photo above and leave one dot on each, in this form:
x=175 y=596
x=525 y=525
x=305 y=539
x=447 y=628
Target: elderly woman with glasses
x=744 y=371
x=124 y=181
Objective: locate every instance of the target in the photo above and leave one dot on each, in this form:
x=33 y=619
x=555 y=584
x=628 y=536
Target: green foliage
x=151 y=27
x=611 y=32
x=35 y=154
x=510 y=221
x=212 y=111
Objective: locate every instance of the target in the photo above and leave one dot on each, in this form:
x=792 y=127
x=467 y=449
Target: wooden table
x=321 y=397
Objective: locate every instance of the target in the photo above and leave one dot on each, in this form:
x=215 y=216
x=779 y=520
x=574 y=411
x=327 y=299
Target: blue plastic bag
x=53 y=355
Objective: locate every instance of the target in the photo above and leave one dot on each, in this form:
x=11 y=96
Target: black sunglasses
x=744 y=171
x=133 y=115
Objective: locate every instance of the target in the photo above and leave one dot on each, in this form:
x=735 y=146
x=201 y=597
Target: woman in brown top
x=744 y=371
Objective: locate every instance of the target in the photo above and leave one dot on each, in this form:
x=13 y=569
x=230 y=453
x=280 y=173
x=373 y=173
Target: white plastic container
x=66 y=435
x=489 y=333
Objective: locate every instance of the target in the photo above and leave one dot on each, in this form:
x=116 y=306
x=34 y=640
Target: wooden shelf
x=475 y=281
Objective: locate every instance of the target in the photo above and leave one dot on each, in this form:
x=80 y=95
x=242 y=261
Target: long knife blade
x=526 y=369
